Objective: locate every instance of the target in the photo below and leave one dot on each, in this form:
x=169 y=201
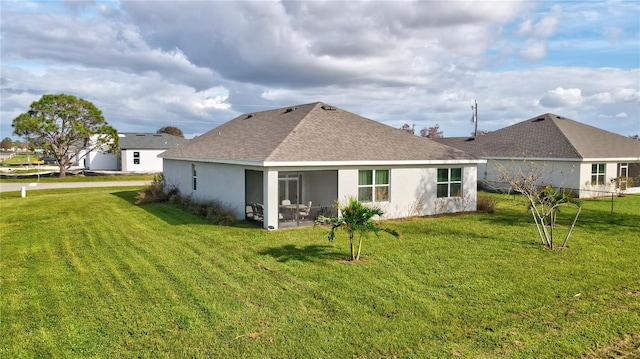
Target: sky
x=197 y=64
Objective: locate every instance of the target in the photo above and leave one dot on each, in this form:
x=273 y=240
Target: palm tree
x=354 y=217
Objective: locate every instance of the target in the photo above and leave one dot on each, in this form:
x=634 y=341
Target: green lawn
x=81 y=178
x=21 y=158
x=88 y=273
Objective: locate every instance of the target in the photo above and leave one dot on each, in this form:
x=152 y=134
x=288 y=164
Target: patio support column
x=270 y=193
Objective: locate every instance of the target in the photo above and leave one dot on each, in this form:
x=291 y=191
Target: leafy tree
x=354 y=217
x=171 y=130
x=544 y=202
x=432 y=132
x=19 y=145
x=408 y=128
x=6 y=143
x=66 y=127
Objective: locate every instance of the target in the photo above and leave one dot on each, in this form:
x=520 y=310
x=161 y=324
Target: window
x=623 y=169
x=373 y=185
x=597 y=173
x=449 y=182
x=195 y=177
x=136 y=158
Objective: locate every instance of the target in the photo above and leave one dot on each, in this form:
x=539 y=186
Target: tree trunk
x=572 y=225
x=351 y=245
x=63 y=171
x=535 y=219
x=359 y=247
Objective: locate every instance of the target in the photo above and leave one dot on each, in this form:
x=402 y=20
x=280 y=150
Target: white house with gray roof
x=568 y=154
x=279 y=161
x=138 y=152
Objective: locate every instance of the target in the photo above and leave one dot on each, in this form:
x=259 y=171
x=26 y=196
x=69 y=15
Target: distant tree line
x=7 y=144
x=434 y=131
x=171 y=130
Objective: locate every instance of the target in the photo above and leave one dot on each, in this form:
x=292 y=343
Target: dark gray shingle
x=548 y=136
x=148 y=141
x=311 y=132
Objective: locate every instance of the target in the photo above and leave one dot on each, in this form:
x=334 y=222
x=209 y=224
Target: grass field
x=86 y=273
x=81 y=178
x=49 y=173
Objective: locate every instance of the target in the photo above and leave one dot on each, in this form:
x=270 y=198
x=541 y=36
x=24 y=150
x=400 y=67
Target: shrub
x=219 y=214
x=486 y=203
x=215 y=212
x=154 y=192
x=622 y=182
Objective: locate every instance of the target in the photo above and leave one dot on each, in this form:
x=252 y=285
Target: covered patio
x=302 y=196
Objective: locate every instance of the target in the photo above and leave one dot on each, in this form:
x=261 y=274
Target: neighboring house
x=138 y=152
x=587 y=160
x=318 y=154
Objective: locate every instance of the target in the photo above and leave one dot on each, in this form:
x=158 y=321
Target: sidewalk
x=9 y=187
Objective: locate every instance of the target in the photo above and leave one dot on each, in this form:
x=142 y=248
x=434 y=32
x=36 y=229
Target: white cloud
x=534 y=50
x=548 y=25
x=560 y=97
x=545 y=27
x=526 y=27
x=535 y=47
x=198 y=64
x=601 y=98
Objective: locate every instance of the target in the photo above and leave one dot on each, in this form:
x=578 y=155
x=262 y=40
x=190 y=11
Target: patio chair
x=259 y=213
x=305 y=212
x=285 y=209
x=249 y=211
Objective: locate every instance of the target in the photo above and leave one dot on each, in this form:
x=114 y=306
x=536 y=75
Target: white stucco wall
x=100 y=161
x=178 y=174
x=347 y=183
x=572 y=175
x=412 y=190
x=219 y=182
x=271 y=203
x=149 y=161
x=587 y=189
x=559 y=174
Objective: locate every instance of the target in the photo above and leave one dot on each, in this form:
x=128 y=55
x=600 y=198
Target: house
x=589 y=161
x=293 y=163
x=138 y=152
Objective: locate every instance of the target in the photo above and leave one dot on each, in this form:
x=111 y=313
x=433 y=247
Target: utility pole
x=475 y=118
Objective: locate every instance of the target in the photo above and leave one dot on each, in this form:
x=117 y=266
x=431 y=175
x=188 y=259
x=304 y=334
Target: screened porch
x=302 y=196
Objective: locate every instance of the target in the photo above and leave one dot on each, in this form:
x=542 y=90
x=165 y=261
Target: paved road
x=8 y=187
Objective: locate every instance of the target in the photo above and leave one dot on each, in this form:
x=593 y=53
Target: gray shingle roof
x=309 y=133
x=148 y=141
x=548 y=136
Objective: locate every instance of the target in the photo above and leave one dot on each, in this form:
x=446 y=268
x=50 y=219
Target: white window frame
x=375 y=186
x=194 y=176
x=597 y=175
x=449 y=182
